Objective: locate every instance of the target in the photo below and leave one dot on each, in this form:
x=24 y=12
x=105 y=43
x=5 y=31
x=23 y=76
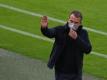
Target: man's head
x=75 y=19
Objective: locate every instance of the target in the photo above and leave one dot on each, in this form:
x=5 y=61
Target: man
x=71 y=42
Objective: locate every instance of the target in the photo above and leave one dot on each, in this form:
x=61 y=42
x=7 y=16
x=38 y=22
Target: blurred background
x=21 y=39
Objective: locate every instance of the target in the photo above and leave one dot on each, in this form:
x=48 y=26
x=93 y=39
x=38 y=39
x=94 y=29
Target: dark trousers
x=63 y=76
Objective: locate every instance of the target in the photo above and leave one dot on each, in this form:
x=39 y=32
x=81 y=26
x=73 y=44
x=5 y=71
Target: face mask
x=73 y=26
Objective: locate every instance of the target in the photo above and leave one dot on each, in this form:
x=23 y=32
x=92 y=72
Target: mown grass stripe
x=50 y=18
x=40 y=37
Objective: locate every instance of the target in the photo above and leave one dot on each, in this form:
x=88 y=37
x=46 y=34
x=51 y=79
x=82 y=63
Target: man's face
x=74 y=20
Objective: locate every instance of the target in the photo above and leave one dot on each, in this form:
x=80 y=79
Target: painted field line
x=40 y=37
x=50 y=18
x=25 y=33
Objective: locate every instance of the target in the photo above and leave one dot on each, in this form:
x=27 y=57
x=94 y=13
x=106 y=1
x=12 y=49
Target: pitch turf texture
x=95 y=16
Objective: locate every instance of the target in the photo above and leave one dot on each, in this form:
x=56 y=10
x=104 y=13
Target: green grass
x=94 y=17
x=96 y=66
x=25 y=45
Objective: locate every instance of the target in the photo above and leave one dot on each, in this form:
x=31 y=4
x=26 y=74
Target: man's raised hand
x=44 y=22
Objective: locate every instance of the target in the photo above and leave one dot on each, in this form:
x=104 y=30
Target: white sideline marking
x=99 y=54
x=28 y=12
x=40 y=37
x=25 y=33
x=50 y=18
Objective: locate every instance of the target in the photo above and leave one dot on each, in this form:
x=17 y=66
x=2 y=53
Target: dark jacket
x=67 y=53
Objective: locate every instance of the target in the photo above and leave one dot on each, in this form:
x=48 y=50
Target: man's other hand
x=73 y=34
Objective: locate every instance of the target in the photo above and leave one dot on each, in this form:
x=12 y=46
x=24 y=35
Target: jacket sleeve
x=48 y=32
x=83 y=42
